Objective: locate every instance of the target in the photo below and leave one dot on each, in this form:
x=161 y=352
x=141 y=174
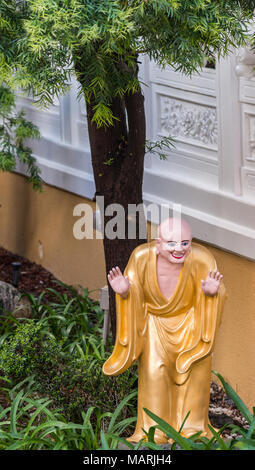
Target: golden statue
x=169 y=305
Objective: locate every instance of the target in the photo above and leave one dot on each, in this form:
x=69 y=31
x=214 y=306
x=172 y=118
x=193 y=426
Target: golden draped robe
x=171 y=339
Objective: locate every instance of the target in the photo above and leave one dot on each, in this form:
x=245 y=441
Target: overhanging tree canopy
x=44 y=42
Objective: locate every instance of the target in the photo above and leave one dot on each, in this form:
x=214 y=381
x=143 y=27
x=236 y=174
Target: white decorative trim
x=64 y=177
x=215 y=217
x=70 y=170
x=202 y=83
x=69 y=178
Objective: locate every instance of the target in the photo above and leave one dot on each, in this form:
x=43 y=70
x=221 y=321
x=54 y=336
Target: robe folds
x=172 y=339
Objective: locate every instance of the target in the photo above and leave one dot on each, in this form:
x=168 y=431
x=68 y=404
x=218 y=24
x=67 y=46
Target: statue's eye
x=171 y=244
x=185 y=243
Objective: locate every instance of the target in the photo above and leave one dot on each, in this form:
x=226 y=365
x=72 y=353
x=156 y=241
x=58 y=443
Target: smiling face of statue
x=174 y=240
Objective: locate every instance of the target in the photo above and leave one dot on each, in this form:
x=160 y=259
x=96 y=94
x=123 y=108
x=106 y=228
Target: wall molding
x=70 y=170
x=215 y=217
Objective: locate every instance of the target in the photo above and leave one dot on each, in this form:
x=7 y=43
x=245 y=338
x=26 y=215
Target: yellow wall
x=234 y=355
x=40 y=227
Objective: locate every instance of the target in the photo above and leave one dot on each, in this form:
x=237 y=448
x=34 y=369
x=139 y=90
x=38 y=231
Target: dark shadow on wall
x=15 y=200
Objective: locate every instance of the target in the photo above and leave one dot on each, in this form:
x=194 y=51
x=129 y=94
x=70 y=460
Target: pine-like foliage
x=14 y=130
x=44 y=41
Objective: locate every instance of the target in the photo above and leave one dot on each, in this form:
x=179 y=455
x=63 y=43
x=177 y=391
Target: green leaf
x=236 y=399
x=34 y=416
x=245 y=444
x=14 y=409
x=151 y=445
x=121 y=439
x=104 y=441
x=103 y=115
x=119 y=409
x=184 y=443
x=251 y=429
x=218 y=438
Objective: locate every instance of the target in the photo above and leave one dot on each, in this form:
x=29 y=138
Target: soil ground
x=34 y=279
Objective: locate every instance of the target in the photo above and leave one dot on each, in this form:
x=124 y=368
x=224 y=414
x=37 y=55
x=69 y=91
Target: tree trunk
x=118 y=161
x=117 y=154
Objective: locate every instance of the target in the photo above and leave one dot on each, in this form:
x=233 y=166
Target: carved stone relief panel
x=252 y=138
x=186 y=121
x=248 y=143
x=248 y=135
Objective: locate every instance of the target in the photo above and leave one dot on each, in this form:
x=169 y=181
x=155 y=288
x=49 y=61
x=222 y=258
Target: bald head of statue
x=174 y=240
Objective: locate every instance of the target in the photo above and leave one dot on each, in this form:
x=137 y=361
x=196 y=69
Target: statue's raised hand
x=212 y=283
x=118 y=282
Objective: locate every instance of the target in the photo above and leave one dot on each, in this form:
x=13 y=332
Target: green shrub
x=30 y=424
x=61 y=347
x=75 y=385
x=27 y=351
x=73 y=382
x=72 y=318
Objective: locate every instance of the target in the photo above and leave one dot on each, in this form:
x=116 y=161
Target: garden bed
x=33 y=278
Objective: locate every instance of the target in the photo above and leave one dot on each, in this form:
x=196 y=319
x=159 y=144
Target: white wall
x=211 y=170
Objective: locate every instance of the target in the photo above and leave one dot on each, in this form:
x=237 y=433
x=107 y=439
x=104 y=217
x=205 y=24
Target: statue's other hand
x=212 y=283
x=118 y=282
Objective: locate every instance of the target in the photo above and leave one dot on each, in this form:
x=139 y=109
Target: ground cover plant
x=33 y=277
x=55 y=394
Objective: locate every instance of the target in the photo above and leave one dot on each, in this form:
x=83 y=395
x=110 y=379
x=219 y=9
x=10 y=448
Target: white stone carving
x=188 y=121
x=252 y=138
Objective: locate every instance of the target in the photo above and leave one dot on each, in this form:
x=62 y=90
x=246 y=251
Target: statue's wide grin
x=179 y=256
